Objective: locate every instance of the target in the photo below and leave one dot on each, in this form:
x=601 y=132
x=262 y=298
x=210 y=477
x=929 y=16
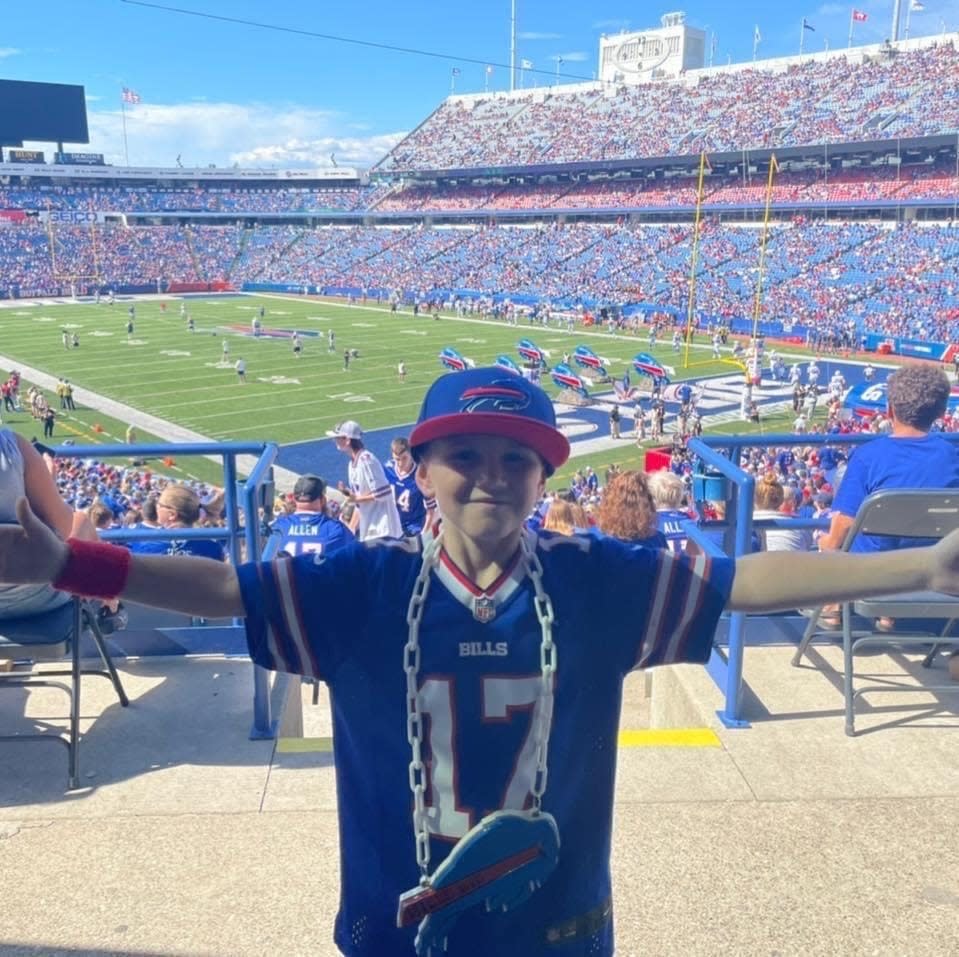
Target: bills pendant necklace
x=509 y=854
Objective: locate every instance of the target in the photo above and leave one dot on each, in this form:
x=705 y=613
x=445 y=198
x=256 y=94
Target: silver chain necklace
x=414 y=717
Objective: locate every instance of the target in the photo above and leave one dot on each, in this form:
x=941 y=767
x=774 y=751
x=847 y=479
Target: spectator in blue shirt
x=179 y=507
x=309 y=529
x=910 y=457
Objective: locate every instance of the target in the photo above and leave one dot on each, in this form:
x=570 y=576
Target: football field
x=188 y=378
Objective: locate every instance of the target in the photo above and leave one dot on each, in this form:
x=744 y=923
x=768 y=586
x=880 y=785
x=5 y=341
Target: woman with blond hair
x=627 y=511
x=772 y=501
x=565 y=518
x=179 y=507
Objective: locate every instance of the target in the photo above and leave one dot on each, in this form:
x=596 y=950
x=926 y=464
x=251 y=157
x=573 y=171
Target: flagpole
x=512 y=47
x=123 y=113
x=908 y=17
x=755 y=43
x=691 y=307
x=851 y=22
x=802 y=35
x=452 y=82
x=757 y=308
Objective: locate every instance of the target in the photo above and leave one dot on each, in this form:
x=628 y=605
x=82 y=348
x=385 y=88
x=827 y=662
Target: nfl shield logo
x=484 y=609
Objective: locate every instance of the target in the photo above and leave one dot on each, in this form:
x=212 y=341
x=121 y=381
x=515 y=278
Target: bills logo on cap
x=495 y=397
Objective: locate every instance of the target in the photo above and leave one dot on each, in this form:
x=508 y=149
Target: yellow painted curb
x=670 y=738
x=651 y=738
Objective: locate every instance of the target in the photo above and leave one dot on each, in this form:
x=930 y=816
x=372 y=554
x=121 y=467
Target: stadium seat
x=49 y=637
x=921 y=514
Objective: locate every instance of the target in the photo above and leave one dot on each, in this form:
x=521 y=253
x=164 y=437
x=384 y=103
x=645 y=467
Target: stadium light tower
x=896 y=9
x=512 y=46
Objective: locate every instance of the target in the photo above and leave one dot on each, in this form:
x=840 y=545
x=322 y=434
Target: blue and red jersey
x=342 y=619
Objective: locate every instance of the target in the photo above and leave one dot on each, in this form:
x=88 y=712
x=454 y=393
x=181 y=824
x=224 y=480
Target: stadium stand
x=909 y=94
x=897 y=280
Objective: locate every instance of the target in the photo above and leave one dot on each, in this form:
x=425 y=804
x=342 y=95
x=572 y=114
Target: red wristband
x=94 y=569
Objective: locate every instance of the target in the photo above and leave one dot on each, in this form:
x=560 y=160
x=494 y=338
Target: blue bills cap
x=491 y=401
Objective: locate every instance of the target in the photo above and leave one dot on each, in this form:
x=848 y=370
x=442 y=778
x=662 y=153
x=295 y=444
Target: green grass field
x=182 y=378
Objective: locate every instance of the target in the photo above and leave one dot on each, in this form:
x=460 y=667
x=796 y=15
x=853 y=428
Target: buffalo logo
x=496 y=397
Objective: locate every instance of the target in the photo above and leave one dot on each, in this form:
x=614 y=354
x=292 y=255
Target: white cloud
x=533 y=35
x=257 y=134
x=8 y=51
x=831 y=9
x=577 y=56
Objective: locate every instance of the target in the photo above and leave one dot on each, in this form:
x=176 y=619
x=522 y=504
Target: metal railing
x=722 y=455
x=241 y=531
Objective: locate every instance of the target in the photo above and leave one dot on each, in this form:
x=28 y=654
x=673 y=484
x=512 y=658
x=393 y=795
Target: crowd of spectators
x=897 y=280
x=200 y=198
x=126 y=495
x=910 y=93
x=881 y=183
x=890 y=183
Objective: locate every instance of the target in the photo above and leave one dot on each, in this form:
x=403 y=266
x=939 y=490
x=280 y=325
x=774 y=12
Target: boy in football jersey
x=309 y=530
x=401 y=474
x=475 y=715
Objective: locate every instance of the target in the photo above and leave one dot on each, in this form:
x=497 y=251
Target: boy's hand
x=30 y=553
x=944 y=565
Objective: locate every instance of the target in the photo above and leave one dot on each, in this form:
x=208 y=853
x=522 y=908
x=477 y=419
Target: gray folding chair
x=919 y=514
x=49 y=637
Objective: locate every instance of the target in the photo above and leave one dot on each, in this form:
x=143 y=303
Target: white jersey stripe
x=291 y=617
x=692 y=607
x=661 y=591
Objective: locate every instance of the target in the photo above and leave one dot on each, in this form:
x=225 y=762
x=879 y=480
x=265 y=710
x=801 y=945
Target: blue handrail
x=726 y=668
x=238 y=495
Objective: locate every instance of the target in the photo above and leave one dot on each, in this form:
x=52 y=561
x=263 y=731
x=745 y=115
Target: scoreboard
x=48 y=112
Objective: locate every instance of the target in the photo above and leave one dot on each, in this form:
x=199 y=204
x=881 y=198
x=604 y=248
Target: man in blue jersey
x=475 y=715
x=401 y=474
x=669 y=493
x=309 y=530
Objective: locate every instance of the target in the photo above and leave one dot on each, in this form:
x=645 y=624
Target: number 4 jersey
x=342 y=619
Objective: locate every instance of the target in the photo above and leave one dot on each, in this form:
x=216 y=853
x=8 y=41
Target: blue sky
x=224 y=93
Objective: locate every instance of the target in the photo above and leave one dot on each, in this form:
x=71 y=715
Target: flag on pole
x=859 y=16
x=489 y=70
x=130 y=96
x=455 y=71
x=917 y=6
x=526 y=64
x=757 y=36
x=807 y=26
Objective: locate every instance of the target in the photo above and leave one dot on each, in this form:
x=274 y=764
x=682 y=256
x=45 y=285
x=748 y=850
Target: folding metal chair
x=919 y=514
x=49 y=637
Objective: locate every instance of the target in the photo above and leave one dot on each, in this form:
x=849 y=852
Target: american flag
x=129 y=96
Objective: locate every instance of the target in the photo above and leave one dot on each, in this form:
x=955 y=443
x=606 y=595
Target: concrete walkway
x=784 y=838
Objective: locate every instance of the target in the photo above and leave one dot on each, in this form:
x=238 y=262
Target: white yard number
x=504 y=699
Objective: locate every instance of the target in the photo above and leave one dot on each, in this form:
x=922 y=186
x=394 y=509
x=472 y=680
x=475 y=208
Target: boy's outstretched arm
x=774 y=581
x=31 y=553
